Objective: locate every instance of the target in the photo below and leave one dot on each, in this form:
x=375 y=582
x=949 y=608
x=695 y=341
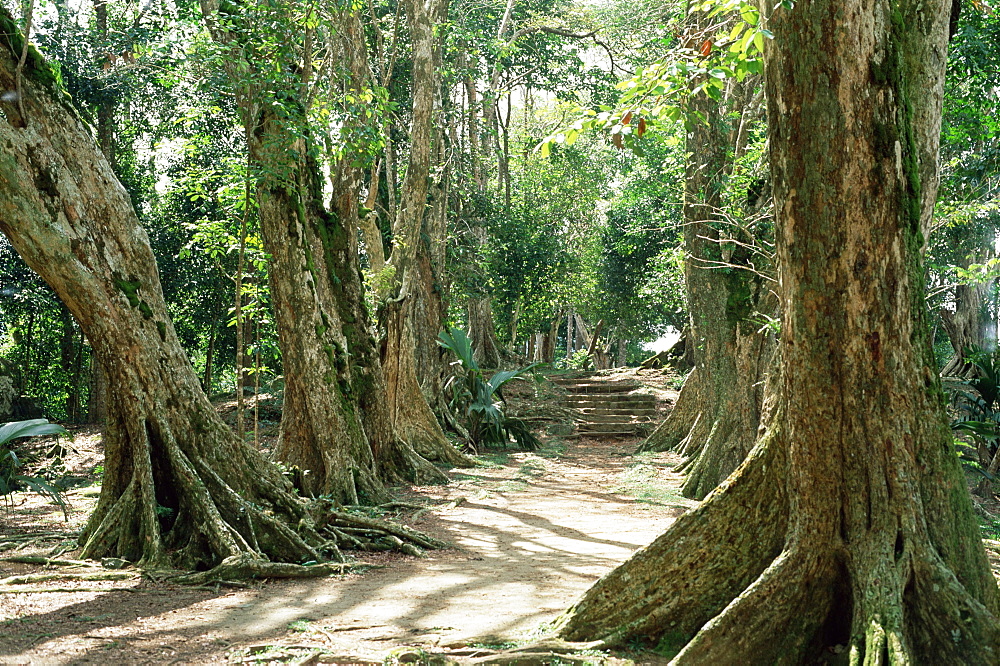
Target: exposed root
x=348 y=522
x=945 y=624
x=412 y=468
x=695 y=569
x=776 y=619
x=46 y=561
x=811 y=594
x=541 y=653
x=65 y=590
x=248 y=567
x=28 y=579
x=720 y=452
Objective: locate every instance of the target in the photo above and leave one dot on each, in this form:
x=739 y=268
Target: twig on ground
x=48 y=561
x=46 y=577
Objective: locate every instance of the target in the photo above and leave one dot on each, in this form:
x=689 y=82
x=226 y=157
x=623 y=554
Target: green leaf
x=31 y=428
x=458 y=342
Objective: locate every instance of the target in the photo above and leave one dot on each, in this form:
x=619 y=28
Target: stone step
x=613 y=411
x=631 y=432
x=597 y=395
x=630 y=426
x=599 y=387
x=623 y=402
x=612 y=418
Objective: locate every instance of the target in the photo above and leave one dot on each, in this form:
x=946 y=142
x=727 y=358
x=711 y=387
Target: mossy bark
x=179 y=488
x=336 y=428
x=415 y=302
x=715 y=421
x=849 y=527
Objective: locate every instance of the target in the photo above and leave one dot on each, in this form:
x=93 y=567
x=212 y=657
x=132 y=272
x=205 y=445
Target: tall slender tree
x=412 y=313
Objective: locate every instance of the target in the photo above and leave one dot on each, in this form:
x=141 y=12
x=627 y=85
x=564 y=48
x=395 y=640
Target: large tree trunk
x=482 y=332
x=849 y=527
x=179 y=488
x=714 y=423
x=407 y=313
x=336 y=429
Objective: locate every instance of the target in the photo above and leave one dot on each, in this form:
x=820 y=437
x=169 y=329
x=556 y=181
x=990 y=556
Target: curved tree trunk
x=716 y=418
x=179 y=488
x=849 y=527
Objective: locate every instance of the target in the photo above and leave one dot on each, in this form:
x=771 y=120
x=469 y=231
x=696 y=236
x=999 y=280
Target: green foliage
x=579 y=360
x=696 y=62
x=481 y=400
x=977 y=401
x=10 y=462
x=641 y=266
x=967 y=216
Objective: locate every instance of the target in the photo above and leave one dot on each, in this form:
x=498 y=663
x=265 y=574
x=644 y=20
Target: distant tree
x=715 y=421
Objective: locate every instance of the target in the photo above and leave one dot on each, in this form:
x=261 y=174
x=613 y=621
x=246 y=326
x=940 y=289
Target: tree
x=849 y=526
x=179 y=488
x=336 y=422
x=715 y=421
x=968 y=214
x=413 y=313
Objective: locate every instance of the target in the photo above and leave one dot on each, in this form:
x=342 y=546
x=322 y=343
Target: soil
x=530 y=531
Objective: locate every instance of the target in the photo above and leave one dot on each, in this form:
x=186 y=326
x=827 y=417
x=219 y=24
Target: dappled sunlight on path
x=530 y=534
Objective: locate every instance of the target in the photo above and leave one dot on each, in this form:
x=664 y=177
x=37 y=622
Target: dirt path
x=531 y=533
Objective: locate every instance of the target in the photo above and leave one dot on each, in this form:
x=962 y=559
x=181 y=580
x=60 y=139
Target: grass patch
x=641 y=481
x=533 y=467
x=492 y=460
x=495 y=645
x=301 y=626
x=554 y=448
x=517 y=486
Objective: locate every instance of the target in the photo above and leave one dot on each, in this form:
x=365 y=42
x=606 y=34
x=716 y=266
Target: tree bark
x=964 y=326
x=97 y=392
x=178 y=488
x=715 y=421
x=410 y=313
x=336 y=429
x=849 y=527
x=482 y=332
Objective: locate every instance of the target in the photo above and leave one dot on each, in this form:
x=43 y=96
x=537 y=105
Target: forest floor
x=530 y=532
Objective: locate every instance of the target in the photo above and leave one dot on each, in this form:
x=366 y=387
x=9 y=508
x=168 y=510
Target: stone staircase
x=607 y=408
